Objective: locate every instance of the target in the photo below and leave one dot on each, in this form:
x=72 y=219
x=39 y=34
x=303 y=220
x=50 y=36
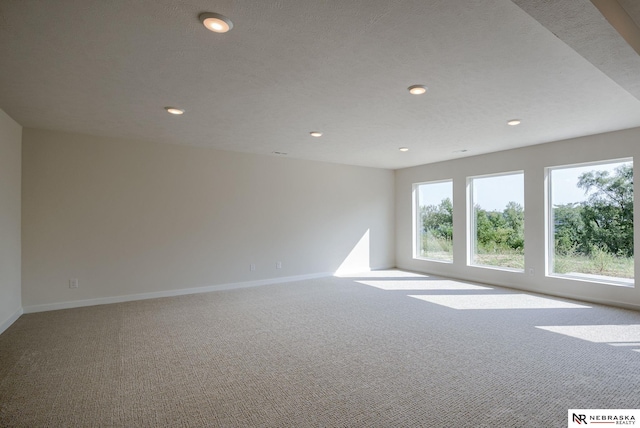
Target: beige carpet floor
x=385 y=349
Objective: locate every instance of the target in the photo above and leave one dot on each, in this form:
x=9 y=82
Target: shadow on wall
x=359 y=259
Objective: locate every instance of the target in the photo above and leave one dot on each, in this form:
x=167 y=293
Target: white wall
x=10 y=170
x=131 y=217
x=532 y=160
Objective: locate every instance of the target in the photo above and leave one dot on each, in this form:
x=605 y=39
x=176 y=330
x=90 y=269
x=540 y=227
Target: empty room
x=319 y=213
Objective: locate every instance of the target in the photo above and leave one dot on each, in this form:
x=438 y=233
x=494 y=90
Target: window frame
x=472 y=233
x=549 y=227
x=417 y=220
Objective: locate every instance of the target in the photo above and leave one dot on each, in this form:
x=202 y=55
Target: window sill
x=595 y=279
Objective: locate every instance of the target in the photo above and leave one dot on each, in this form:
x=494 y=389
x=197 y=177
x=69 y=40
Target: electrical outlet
x=252 y=267
x=73 y=283
x=278 y=265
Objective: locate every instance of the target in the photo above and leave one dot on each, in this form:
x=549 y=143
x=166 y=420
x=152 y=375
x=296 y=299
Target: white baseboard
x=7 y=323
x=168 y=293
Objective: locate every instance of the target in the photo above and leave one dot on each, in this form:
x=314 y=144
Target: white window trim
x=471 y=223
x=549 y=229
x=416 y=219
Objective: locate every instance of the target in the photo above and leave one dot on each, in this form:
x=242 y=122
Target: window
x=434 y=220
x=497 y=221
x=591 y=221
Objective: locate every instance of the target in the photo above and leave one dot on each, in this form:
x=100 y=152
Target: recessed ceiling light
x=316 y=134
x=404 y=149
x=417 y=89
x=174 y=110
x=216 y=22
x=514 y=122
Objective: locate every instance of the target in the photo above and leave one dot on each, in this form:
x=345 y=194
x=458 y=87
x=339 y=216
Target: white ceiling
x=108 y=68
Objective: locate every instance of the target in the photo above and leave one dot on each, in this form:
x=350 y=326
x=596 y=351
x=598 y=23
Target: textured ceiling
x=288 y=67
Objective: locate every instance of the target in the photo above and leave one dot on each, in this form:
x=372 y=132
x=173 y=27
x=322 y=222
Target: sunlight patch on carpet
x=499 y=301
x=616 y=335
x=422 y=285
x=386 y=273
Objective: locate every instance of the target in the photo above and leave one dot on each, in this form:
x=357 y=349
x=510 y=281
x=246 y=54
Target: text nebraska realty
x=612 y=419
